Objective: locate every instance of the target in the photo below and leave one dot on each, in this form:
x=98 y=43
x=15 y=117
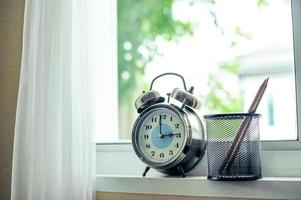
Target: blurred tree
x=139 y=24
x=219 y=99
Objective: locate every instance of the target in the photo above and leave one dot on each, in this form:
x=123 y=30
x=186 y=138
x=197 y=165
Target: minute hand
x=160 y=125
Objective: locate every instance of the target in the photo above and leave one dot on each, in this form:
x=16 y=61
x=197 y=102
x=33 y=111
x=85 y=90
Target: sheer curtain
x=53 y=152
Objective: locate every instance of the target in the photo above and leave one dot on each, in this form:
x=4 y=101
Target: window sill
x=273 y=188
x=119 y=170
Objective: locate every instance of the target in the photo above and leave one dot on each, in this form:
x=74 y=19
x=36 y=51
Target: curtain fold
x=53 y=154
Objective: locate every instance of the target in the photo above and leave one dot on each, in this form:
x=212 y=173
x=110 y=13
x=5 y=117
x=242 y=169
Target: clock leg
x=145 y=171
x=181 y=170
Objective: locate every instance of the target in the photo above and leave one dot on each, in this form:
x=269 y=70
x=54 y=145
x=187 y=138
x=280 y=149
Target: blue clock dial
x=163 y=139
x=161 y=135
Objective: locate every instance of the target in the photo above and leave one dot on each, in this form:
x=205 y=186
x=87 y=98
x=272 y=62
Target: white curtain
x=53 y=152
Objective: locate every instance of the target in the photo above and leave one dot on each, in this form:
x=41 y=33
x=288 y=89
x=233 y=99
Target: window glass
x=224 y=48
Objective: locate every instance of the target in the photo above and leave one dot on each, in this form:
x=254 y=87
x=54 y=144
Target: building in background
x=278 y=107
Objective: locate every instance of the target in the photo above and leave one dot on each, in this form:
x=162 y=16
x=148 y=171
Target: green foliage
x=231 y=67
x=240 y=33
x=262 y=3
x=220 y=100
x=139 y=24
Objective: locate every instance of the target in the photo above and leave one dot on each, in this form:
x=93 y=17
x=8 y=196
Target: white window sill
x=119 y=170
x=272 y=188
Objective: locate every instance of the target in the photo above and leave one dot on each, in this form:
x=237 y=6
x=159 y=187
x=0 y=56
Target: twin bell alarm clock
x=168 y=135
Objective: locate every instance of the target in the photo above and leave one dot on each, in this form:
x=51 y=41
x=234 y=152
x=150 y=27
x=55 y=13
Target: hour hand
x=171 y=134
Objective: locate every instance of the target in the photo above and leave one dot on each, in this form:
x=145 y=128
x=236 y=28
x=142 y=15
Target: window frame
x=296 y=15
x=282 y=150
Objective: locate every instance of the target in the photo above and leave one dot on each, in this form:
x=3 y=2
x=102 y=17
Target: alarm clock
x=169 y=135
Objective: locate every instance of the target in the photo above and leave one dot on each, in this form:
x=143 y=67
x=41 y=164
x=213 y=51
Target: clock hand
x=160 y=125
x=170 y=134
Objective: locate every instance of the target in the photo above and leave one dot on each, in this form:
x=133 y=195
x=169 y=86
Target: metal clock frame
x=184 y=114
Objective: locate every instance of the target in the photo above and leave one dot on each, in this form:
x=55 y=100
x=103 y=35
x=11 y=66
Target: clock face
x=160 y=135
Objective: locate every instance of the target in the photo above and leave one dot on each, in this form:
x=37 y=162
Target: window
x=278 y=157
x=223 y=48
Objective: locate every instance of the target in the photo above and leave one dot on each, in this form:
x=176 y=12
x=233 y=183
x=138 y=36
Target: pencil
x=233 y=150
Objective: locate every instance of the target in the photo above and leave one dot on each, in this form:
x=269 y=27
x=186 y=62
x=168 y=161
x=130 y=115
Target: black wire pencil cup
x=234 y=144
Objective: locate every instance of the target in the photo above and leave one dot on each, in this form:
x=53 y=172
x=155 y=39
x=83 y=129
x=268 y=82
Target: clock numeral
x=161 y=155
x=177 y=145
x=178 y=135
x=146 y=137
x=148 y=127
x=171 y=119
x=147 y=146
x=177 y=125
x=154 y=119
x=153 y=153
x=171 y=152
x=163 y=116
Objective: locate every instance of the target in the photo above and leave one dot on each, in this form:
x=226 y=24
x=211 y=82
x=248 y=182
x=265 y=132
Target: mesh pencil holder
x=225 y=142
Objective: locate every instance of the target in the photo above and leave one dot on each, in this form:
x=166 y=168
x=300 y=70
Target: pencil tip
x=265 y=82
